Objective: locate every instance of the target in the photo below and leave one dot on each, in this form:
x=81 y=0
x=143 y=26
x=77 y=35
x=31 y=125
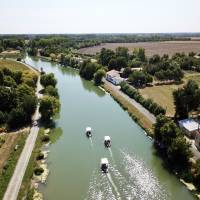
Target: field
x=163 y=94
x=9 y=157
x=168 y=47
x=13 y=65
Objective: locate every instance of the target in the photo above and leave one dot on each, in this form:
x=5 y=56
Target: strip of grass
x=9 y=168
x=26 y=190
x=133 y=112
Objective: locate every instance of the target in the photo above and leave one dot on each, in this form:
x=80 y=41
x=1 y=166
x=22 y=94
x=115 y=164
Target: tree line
x=149 y=104
x=18 y=100
x=49 y=104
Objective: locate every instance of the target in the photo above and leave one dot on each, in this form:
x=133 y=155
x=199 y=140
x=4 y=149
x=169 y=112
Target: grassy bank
x=9 y=166
x=27 y=189
x=133 y=112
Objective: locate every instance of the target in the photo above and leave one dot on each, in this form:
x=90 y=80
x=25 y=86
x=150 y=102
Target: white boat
x=107 y=141
x=88 y=131
x=104 y=165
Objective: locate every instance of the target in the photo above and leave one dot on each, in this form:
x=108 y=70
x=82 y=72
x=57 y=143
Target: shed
x=189 y=126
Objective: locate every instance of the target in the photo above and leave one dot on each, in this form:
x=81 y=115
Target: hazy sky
x=99 y=16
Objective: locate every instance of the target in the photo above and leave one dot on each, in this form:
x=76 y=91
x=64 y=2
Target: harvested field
x=168 y=47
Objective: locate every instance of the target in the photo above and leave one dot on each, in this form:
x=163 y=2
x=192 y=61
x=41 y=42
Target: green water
x=135 y=171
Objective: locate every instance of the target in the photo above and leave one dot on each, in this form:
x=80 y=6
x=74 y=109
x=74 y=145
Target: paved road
x=137 y=105
x=20 y=169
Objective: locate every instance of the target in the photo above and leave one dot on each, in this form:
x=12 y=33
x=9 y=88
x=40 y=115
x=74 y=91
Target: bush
x=40 y=156
x=38 y=171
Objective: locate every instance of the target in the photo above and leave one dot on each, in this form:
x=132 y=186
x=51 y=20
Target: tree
x=186 y=99
x=52 y=91
x=16 y=118
x=105 y=56
x=179 y=151
x=24 y=89
x=49 y=106
x=8 y=98
x=139 y=54
x=122 y=52
x=139 y=78
x=154 y=59
x=48 y=79
x=98 y=76
x=28 y=104
x=88 y=69
x=9 y=81
x=126 y=73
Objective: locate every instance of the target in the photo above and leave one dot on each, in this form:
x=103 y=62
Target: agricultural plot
x=168 y=47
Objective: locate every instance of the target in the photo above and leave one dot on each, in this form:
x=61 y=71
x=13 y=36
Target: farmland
x=162 y=94
x=168 y=47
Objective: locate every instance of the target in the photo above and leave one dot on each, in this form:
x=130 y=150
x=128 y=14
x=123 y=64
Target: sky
x=99 y=16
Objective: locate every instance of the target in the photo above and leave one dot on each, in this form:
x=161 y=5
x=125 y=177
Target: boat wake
x=99 y=187
x=145 y=184
x=131 y=180
x=91 y=142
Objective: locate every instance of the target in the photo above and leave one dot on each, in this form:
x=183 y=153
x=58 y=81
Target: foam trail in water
x=127 y=190
x=99 y=187
x=91 y=142
x=113 y=185
x=146 y=185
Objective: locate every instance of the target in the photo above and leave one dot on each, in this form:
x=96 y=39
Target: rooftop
x=189 y=124
x=113 y=73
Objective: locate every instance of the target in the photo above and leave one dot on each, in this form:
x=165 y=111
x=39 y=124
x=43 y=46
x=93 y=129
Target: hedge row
x=147 y=103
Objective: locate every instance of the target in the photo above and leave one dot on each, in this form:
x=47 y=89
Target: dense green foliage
x=170 y=140
x=49 y=106
x=147 y=103
x=48 y=79
x=88 y=69
x=186 y=99
x=140 y=78
x=18 y=101
x=98 y=76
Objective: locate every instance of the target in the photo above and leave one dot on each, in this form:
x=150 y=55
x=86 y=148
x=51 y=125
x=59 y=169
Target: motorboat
x=88 y=132
x=104 y=165
x=107 y=141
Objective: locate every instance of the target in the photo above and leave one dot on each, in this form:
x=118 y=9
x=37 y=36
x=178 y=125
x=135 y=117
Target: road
x=137 y=105
x=20 y=169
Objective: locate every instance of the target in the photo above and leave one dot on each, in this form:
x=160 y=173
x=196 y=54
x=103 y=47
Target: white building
x=189 y=126
x=113 y=76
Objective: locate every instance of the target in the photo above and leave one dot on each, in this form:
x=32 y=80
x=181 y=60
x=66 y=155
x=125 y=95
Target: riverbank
x=136 y=115
x=30 y=182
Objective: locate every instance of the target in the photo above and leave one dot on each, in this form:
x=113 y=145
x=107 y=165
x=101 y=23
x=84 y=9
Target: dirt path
x=20 y=169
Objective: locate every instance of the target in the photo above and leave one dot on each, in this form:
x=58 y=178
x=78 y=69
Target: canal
x=135 y=170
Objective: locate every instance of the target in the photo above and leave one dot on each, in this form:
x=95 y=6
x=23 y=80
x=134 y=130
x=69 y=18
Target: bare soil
x=168 y=47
